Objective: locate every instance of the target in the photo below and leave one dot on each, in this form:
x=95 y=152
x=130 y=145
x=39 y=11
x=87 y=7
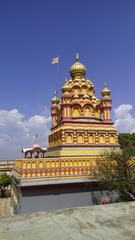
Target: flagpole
x=57 y=75
x=55 y=60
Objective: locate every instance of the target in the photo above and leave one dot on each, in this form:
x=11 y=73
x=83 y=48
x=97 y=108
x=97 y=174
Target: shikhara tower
x=82 y=130
x=81 y=123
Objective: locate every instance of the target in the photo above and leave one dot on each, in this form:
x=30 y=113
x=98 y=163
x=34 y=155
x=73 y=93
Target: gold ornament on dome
x=77 y=70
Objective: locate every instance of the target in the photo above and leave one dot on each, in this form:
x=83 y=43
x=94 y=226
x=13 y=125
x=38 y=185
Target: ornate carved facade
x=79 y=119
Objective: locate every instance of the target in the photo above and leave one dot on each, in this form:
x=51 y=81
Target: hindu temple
x=82 y=130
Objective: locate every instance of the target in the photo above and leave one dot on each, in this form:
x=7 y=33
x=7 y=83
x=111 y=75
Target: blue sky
x=34 y=31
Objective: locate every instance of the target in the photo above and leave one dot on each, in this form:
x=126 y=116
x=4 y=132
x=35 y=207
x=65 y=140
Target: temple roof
x=24 y=150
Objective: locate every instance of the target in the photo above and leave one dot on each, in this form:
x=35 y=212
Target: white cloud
x=17 y=131
x=124 y=121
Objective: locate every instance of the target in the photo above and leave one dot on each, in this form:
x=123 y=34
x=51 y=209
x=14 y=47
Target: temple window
x=91 y=139
x=112 y=139
x=101 y=139
x=84 y=90
x=87 y=111
x=76 y=112
x=69 y=138
x=41 y=155
x=80 y=139
x=76 y=90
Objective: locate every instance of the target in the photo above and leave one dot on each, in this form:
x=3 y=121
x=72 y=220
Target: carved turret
x=106 y=103
x=66 y=100
x=54 y=109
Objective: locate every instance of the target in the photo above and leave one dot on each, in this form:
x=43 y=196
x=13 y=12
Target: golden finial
x=55 y=93
x=36 y=137
x=55 y=97
x=77 y=57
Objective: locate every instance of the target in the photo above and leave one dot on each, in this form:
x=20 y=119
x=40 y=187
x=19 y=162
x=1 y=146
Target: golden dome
x=66 y=87
x=77 y=70
x=85 y=96
x=76 y=96
x=55 y=99
x=105 y=91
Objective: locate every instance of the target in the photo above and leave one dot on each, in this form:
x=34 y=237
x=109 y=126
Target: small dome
x=66 y=87
x=105 y=91
x=55 y=99
x=76 y=96
x=77 y=70
x=85 y=96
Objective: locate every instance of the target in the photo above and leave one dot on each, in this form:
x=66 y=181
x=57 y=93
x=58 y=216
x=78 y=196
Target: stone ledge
x=113 y=221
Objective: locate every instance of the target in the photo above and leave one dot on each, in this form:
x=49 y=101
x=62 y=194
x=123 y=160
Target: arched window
x=76 y=90
x=80 y=139
x=69 y=138
x=112 y=139
x=76 y=111
x=91 y=139
x=84 y=90
x=87 y=111
x=101 y=139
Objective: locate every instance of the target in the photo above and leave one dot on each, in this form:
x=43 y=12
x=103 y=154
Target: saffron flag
x=55 y=60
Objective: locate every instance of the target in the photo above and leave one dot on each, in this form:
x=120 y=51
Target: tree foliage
x=127 y=141
x=5 y=181
x=116 y=169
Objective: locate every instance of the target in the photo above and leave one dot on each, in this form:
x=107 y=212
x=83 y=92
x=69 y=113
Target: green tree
x=116 y=170
x=127 y=141
x=5 y=181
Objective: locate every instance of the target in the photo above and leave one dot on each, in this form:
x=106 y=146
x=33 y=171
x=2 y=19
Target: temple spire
x=55 y=93
x=77 y=56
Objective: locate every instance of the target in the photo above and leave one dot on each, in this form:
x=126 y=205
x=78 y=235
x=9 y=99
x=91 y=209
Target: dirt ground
x=5 y=206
